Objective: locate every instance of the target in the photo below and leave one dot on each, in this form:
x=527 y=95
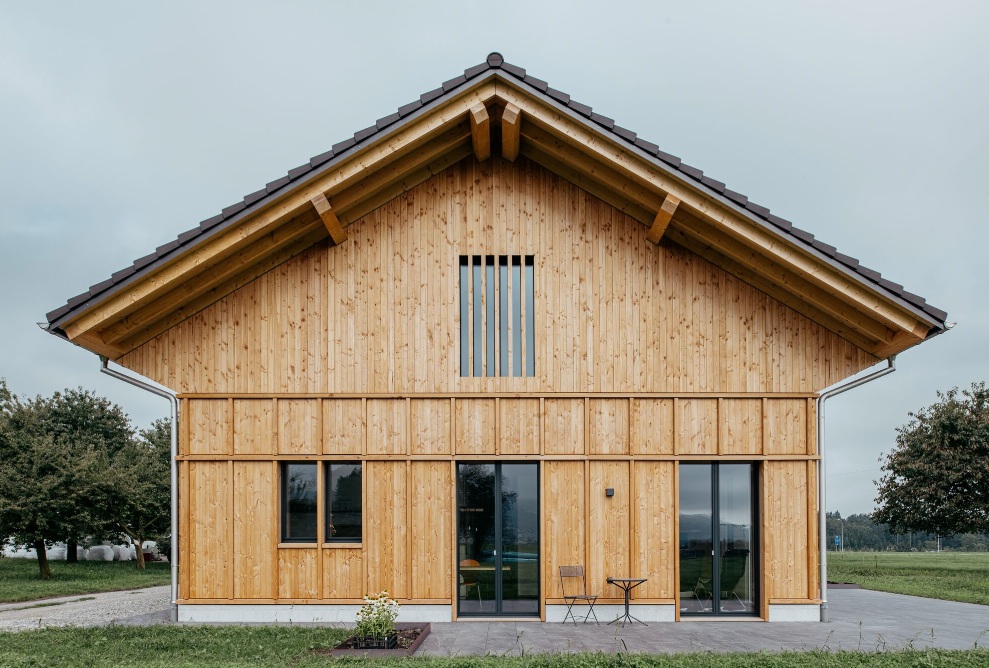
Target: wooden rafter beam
x=329 y=218
x=480 y=131
x=663 y=218
x=511 y=132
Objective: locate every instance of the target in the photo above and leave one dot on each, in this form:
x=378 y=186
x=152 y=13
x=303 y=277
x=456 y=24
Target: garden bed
x=410 y=636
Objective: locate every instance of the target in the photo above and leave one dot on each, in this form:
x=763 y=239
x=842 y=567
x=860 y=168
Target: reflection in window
x=298 y=503
x=343 y=502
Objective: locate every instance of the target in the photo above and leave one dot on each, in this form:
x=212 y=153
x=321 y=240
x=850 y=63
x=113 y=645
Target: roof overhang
x=494 y=110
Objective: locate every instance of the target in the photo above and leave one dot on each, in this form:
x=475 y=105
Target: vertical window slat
x=478 y=338
x=505 y=315
x=464 y=317
x=489 y=277
x=530 y=316
x=516 y=315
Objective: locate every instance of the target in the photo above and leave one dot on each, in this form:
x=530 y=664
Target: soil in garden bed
x=410 y=636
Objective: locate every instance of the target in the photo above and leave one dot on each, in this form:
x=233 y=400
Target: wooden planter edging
x=386 y=653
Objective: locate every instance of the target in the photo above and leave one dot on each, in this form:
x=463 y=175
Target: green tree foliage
x=139 y=471
x=937 y=477
x=49 y=474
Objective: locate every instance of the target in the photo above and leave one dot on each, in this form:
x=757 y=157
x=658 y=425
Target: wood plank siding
x=646 y=355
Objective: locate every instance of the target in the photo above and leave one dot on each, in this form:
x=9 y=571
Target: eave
x=676 y=203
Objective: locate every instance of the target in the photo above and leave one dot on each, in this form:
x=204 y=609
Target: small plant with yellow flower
x=376 y=618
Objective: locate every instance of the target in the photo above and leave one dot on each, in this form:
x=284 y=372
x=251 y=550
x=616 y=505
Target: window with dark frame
x=344 y=516
x=299 y=494
x=497 y=315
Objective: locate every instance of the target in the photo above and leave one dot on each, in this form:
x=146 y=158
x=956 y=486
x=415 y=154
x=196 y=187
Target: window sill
x=297 y=546
x=342 y=545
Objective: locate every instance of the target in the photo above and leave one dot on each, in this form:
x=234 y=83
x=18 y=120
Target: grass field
x=300 y=647
x=19 y=578
x=952 y=576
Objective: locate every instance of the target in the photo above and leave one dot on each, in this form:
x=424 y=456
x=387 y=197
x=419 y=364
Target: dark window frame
x=285 y=509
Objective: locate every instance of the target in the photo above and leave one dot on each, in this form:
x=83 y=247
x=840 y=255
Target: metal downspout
x=821 y=478
x=173 y=468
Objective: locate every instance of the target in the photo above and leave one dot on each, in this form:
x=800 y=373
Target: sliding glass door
x=498 y=540
x=718 y=557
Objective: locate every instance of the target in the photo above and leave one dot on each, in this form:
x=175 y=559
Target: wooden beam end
x=337 y=234
x=663 y=218
x=480 y=131
x=511 y=132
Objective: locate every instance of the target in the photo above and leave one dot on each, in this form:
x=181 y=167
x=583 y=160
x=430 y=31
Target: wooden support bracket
x=663 y=218
x=511 y=132
x=480 y=132
x=333 y=226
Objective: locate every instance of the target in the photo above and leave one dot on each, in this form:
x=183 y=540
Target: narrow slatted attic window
x=497 y=315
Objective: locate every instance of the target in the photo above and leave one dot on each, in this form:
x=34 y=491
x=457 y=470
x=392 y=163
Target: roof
x=494 y=66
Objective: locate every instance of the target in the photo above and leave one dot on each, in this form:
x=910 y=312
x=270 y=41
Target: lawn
x=19 y=578
x=952 y=576
x=299 y=647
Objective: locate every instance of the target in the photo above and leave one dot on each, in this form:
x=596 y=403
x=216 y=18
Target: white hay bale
x=99 y=553
x=56 y=554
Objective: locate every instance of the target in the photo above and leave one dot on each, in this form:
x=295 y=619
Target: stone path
x=135 y=607
x=860 y=620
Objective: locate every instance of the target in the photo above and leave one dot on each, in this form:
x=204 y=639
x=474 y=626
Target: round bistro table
x=627 y=585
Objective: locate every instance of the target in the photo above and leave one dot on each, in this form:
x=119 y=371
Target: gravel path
x=139 y=607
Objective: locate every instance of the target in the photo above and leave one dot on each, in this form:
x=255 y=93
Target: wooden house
x=488 y=336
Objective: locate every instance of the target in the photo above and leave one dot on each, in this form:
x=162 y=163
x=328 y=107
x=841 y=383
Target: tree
x=937 y=477
x=140 y=471
x=42 y=478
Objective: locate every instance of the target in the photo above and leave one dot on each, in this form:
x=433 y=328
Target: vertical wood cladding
x=380 y=313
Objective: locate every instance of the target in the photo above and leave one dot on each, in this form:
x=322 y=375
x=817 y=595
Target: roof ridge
x=495 y=61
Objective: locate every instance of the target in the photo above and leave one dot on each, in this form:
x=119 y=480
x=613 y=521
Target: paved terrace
x=861 y=620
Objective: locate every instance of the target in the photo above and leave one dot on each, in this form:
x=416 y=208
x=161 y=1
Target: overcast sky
x=866 y=123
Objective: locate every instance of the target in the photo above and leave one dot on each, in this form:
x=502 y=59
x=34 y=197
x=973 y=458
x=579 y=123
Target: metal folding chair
x=572 y=574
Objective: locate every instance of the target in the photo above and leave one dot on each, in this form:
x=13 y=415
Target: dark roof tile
x=143 y=262
x=713 y=184
x=603 y=120
x=669 y=159
x=871 y=274
x=100 y=287
x=581 y=109
x=890 y=285
x=78 y=299
x=472 y=72
x=278 y=183
x=189 y=234
x=917 y=300
x=255 y=196
x=385 y=121
x=781 y=223
x=936 y=312
x=407 y=109
x=342 y=146
x=536 y=83
x=646 y=146
x=757 y=209
x=558 y=95
x=454 y=82
x=211 y=222
x=118 y=276
x=513 y=70
x=427 y=97
x=827 y=249
x=318 y=160
x=304 y=169
x=737 y=198
x=802 y=235
x=361 y=135
x=239 y=206
x=692 y=172
x=165 y=249
x=52 y=316
x=846 y=260
x=624 y=133
x=495 y=59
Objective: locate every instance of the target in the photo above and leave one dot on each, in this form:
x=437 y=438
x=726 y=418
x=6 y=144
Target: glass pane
x=735 y=567
x=464 y=317
x=478 y=320
x=530 y=317
x=343 y=502
x=520 y=539
x=299 y=502
x=696 y=539
x=516 y=315
x=476 y=538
